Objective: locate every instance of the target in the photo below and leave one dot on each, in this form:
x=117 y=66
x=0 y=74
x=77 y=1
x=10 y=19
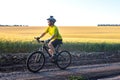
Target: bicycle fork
x=37 y=58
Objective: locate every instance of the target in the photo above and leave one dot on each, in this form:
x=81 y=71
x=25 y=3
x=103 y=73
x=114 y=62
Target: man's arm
x=43 y=34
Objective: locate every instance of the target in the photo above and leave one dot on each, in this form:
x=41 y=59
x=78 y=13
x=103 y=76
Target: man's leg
x=52 y=49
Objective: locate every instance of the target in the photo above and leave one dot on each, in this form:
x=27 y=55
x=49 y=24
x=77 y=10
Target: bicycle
x=36 y=60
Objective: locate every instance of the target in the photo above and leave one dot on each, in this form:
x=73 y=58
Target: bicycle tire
x=63 y=59
x=35 y=61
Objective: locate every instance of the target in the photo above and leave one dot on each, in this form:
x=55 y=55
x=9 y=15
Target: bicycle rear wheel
x=63 y=59
x=35 y=61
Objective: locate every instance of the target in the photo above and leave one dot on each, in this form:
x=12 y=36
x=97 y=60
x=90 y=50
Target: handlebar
x=38 y=40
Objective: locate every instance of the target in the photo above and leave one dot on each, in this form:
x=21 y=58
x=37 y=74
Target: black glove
x=37 y=38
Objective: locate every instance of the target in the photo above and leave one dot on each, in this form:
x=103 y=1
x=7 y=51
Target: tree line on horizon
x=13 y=25
x=108 y=24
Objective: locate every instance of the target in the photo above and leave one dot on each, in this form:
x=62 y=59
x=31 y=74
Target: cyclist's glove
x=37 y=38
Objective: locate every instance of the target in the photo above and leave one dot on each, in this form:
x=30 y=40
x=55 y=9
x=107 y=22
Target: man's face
x=50 y=23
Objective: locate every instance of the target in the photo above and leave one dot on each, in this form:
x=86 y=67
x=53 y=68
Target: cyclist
x=55 y=38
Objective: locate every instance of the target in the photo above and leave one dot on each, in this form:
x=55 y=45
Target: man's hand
x=37 y=38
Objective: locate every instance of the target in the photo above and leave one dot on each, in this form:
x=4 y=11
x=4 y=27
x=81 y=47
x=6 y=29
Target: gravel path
x=90 y=71
x=117 y=77
x=12 y=67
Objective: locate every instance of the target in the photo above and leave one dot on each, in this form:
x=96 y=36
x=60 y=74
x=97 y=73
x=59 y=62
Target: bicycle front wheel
x=35 y=61
x=63 y=59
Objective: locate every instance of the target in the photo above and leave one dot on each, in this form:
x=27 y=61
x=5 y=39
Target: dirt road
x=89 y=71
x=82 y=64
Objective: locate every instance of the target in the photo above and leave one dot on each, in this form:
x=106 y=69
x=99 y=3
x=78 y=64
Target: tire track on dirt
x=90 y=71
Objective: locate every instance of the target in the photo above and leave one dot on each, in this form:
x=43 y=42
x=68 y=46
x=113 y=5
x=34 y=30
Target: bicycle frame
x=44 y=47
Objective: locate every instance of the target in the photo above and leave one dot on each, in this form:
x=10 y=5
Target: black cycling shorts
x=56 y=42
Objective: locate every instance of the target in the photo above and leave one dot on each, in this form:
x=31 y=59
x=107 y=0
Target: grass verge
x=25 y=47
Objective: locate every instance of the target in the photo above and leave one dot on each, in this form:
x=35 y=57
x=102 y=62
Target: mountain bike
x=36 y=60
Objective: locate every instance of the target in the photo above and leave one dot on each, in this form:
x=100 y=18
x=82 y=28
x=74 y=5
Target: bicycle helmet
x=52 y=19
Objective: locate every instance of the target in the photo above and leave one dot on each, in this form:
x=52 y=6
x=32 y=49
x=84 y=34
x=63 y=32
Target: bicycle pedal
x=54 y=62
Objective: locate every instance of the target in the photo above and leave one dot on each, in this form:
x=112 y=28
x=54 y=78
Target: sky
x=66 y=12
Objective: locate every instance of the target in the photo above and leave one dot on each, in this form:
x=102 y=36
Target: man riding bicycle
x=55 y=38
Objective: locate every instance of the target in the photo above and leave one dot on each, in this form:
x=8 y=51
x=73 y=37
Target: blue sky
x=66 y=12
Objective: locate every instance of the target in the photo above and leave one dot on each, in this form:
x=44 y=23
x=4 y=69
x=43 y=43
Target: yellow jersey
x=53 y=30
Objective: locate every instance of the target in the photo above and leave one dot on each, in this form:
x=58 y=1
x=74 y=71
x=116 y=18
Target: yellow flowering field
x=93 y=34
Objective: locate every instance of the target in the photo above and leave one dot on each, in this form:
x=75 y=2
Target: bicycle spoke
x=64 y=59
